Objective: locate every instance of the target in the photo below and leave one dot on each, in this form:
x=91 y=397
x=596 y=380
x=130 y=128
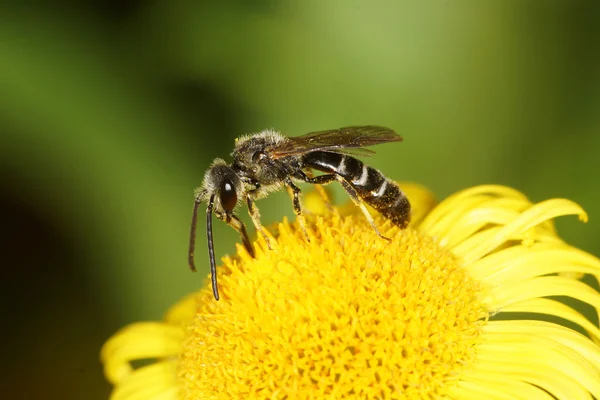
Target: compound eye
x=227 y=195
x=258 y=156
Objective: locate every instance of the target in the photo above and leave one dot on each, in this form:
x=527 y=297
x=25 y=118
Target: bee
x=268 y=161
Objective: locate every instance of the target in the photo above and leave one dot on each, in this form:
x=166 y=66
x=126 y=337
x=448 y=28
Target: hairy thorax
x=254 y=165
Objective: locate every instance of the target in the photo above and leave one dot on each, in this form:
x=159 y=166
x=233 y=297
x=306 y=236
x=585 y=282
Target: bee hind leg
x=356 y=199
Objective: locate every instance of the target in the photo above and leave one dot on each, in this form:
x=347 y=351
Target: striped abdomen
x=371 y=186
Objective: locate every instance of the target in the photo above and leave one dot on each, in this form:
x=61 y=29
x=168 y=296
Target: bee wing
x=349 y=140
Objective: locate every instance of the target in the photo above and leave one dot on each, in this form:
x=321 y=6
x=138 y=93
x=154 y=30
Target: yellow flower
x=435 y=313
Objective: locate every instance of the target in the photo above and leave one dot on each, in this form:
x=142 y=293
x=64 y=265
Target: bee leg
x=316 y=180
x=255 y=216
x=237 y=224
x=356 y=199
x=319 y=188
x=295 y=194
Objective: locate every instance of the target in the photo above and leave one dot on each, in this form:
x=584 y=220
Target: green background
x=110 y=112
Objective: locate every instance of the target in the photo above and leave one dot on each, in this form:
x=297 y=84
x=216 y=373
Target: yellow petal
x=518 y=263
x=156 y=381
x=349 y=315
x=466 y=200
x=534 y=216
x=503 y=295
x=183 y=311
x=137 y=342
x=554 y=308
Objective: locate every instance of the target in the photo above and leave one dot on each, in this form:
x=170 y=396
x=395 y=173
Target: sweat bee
x=268 y=161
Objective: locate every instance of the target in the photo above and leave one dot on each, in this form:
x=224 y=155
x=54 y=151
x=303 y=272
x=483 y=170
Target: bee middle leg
x=356 y=199
x=255 y=216
x=295 y=194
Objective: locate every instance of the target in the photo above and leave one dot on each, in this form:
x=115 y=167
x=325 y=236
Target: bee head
x=221 y=189
x=223 y=185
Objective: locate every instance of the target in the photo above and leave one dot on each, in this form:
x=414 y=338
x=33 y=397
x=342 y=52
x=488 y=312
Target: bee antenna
x=192 y=247
x=211 y=247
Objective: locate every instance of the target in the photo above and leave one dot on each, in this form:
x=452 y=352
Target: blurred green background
x=111 y=111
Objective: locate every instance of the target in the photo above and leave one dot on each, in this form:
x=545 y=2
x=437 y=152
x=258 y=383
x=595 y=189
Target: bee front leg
x=295 y=194
x=237 y=224
x=255 y=216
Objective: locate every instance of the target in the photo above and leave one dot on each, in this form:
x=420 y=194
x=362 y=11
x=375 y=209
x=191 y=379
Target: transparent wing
x=348 y=140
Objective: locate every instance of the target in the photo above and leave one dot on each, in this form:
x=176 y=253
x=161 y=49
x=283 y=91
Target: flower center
x=347 y=314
